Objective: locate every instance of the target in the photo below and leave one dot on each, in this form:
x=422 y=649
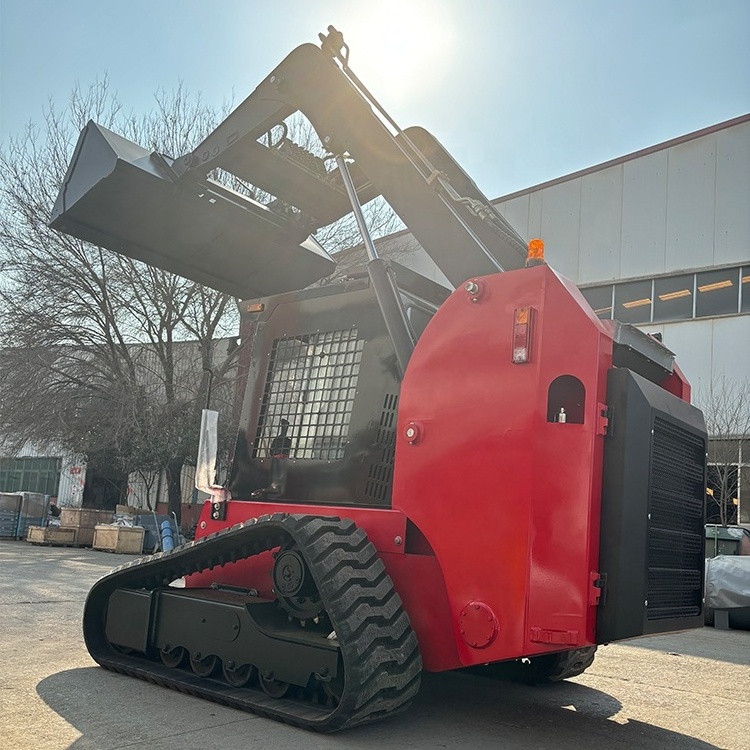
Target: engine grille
x=675 y=548
x=380 y=477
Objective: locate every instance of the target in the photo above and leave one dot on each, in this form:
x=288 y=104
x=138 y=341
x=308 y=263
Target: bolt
x=398 y=541
x=471 y=287
x=323 y=672
x=410 y=432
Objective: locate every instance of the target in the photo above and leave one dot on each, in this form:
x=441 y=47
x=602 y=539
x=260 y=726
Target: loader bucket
x=119 y=196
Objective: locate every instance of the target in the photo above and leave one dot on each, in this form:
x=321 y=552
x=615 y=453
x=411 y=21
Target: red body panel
x=417 y=576
x=502 y=502
x=517 y=496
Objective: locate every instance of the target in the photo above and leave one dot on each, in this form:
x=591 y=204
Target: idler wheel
x=173 y=658
x=203 y=666
x=272 y=687
x=334 y=688
x=237 y=676
x=294 y=586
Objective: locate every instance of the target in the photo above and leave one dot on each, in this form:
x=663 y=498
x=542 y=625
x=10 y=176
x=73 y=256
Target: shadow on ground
x=452 y=711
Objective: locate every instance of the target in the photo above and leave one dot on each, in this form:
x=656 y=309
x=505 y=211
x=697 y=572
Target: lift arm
x=180 y=215
x=453 y=221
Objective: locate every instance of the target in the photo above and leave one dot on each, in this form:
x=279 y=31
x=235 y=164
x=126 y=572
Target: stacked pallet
x=54 y=536
x=76 y=528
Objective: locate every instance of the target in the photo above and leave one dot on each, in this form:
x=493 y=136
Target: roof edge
x=628 y=157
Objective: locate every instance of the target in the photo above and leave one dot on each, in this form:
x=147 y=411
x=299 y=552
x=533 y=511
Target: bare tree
x=726 y=407
x=101 y=354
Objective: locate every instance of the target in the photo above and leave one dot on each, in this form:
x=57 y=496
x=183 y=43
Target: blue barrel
x=167 y=535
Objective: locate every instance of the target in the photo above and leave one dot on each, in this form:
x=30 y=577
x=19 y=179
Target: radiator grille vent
x=380 y=477
x=675 y=553
x=309 y=395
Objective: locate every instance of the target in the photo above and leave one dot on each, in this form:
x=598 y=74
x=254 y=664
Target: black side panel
x=652 y=511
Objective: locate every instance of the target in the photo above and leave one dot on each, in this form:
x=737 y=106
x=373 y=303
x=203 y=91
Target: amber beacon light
x=535 y=253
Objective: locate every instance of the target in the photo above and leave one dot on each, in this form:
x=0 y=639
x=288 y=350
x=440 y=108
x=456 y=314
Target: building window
x=667 y=298
x=745 y=289
x=717 y=293
x=600 y=299
x=633 y=302
x=30 y=475
x=673 y=298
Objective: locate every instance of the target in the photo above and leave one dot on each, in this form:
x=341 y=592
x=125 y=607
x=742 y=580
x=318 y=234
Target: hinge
x=598 y=589
x=604 y=415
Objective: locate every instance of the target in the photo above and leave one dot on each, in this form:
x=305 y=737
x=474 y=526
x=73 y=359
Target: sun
x=399 y=49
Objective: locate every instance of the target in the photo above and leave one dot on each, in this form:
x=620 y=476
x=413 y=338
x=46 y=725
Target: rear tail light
x=523 y=319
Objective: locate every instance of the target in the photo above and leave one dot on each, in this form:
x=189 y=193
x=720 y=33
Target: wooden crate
x=84 y=537
x=126 y=540
x=52 y=535
x=83 y=518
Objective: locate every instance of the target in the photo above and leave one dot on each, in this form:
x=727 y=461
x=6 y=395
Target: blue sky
x=520 y=91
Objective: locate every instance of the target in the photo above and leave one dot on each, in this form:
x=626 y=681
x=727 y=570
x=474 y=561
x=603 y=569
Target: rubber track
x=382 y=665
x=571 y=664
x=539 y=670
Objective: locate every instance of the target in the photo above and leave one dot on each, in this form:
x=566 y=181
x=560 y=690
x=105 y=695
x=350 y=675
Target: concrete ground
x=685 y=691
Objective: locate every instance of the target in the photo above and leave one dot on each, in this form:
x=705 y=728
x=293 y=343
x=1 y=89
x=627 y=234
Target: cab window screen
x=309 y=396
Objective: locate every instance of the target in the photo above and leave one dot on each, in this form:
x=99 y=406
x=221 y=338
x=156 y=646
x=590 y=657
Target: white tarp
x=205 y=467
x=728 y=581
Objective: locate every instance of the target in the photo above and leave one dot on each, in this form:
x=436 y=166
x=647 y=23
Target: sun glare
x=398 y=49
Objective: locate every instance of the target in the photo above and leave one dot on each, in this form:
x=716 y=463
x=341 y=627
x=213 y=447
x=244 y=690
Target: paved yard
x=688 y=691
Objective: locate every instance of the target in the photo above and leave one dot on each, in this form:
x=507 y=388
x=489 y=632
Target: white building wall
x=732 y=230
x=683 y=207
x=642 y=250
x=72 y=481
x=708 y=349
